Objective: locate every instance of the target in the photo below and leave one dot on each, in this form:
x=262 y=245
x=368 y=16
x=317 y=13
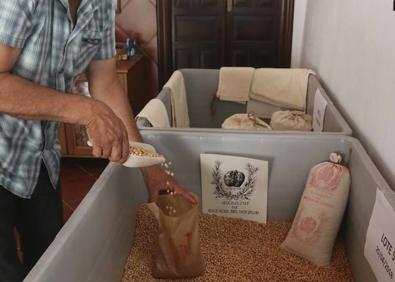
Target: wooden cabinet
x=215 y=33
x=132 y=75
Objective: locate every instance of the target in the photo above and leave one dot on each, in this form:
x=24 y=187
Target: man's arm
x=25 y=99
x=104 y=86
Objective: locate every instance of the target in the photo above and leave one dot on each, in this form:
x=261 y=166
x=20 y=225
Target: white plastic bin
x=94 y=244
x=204 y=114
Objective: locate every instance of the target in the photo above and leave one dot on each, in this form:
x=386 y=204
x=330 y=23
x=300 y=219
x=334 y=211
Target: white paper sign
x=320 y=105
x=380 y=240
x=234 y=186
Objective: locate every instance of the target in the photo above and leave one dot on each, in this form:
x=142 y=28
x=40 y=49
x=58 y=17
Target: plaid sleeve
x=16 y=21
x=107 y=47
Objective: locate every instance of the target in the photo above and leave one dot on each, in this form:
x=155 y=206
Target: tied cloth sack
x=291 y=120
x=320 y=212
x=177 y=252
x=245 y=121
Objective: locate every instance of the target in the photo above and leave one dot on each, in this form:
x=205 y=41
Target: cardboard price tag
x=320 y=105
x=380 y=240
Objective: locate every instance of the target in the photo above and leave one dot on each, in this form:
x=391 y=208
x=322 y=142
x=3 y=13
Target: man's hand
x=156 y=179
x=105 y=87
x=107 y=134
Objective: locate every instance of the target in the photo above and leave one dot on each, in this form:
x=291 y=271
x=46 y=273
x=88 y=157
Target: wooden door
x=255 y=33
x=215 y=33
x=197 y=33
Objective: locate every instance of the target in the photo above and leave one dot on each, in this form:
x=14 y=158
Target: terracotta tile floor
x=77 y=177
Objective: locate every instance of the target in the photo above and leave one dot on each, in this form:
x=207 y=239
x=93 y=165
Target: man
x=44 y=46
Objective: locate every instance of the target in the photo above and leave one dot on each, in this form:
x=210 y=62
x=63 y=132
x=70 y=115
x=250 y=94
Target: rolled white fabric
x=155 y=112
x=281 y=87
x=235 y=83
x=179 y=103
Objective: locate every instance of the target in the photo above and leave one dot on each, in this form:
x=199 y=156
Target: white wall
x=298 y=32
x=351 y=44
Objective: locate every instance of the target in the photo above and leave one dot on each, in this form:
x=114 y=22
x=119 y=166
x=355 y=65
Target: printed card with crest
x=234 y=186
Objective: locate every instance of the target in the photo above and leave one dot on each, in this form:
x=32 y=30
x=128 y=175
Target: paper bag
x=178 y=253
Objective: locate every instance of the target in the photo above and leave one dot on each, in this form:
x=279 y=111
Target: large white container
x=204 y=114
x=94 y=244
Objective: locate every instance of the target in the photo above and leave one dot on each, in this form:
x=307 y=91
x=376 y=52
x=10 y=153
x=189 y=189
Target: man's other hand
x=156 y=179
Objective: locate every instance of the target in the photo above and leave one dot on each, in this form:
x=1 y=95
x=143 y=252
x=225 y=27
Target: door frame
x=165 y=60
x=164 y=17
x=287 y=22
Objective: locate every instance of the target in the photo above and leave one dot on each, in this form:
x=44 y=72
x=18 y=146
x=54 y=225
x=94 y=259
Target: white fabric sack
x=291 y=120
x=285 y=88
x=234 y=84
x=179 y=104
x=155 y=112
x=320 y=212
x=245 y=121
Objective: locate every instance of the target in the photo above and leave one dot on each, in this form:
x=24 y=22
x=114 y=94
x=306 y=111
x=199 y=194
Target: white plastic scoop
x=140 y=161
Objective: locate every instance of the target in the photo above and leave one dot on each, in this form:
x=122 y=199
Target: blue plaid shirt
x=54 y=53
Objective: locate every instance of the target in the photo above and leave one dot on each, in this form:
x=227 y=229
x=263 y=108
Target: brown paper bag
x=177 y=252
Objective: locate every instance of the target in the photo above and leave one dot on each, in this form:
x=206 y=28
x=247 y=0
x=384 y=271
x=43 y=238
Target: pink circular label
x=327 y=176
x=308 y=224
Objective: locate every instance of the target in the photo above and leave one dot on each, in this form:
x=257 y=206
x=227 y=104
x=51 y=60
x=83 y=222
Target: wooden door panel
x=209 y=58
x=208 y=3
x=253 y=28
x=240 y=57
x=265 y=57
x=196 y=4
x=182 y=3
x=201 y=56
x=195 y=28
x=184 y=57
x=265 y=3
x=253 y=4
x=198 y=34
x=242 y=4
x=211 y=34
x=255 y=33
x=255 y=56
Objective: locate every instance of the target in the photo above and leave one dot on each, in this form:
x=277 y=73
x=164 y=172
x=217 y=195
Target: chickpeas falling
x=166 y=166
x=141 y=152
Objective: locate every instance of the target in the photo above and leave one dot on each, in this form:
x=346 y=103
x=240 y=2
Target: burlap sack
x=291 y=120
x=177 y=252
x=320 y=212
x=245 y=121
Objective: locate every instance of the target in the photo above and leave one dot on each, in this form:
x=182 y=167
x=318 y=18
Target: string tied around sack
x=252 y=116
x=335 y=158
